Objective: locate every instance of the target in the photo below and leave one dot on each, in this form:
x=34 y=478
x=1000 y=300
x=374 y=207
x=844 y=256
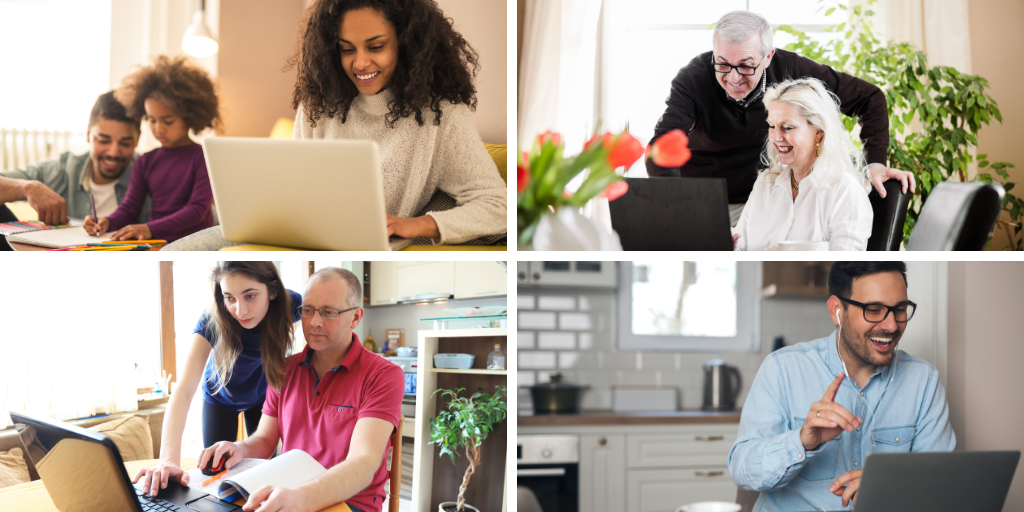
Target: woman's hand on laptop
x=132 y=232
x=851 y=479
x=96 y=228
x=423 y=225
x=277 y=499
x=156 y=478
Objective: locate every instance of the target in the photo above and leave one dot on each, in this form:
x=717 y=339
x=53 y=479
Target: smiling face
x=874 y=344
x=329 y=335
x=168 y=127
x=747 y=53
x=792 y=136
x=369 y=49
x=246 y=299
x=113 y=146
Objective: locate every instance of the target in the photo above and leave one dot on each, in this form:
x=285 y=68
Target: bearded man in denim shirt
x=817 y=409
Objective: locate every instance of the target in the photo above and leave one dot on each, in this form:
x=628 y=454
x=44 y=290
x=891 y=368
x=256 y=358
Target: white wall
x=407 y=316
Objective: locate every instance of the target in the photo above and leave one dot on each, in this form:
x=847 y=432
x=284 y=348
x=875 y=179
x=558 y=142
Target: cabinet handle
x=536 y=276
x=602 y=441
x=708 y=438
x=708 y=474
x=522 y=275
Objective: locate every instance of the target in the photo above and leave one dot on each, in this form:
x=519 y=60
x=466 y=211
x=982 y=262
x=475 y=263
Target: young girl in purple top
x=173 y=95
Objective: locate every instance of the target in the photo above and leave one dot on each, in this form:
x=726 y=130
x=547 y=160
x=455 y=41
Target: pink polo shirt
x=319 y=417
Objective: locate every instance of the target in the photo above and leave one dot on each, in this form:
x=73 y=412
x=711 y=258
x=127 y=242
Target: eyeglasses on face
x=877 y=313
x=325 y=313
x=743 y=70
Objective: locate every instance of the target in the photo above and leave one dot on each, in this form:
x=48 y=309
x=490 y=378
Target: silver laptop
x=307 y=194
x=936 y=481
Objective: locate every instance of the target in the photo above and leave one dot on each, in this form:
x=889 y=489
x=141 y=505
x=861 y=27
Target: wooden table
x=32 y=496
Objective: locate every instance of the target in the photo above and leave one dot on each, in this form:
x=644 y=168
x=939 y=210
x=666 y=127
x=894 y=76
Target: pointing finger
x=833 y=388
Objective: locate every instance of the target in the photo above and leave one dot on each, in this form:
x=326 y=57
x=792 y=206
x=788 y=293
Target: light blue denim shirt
x=912 y=415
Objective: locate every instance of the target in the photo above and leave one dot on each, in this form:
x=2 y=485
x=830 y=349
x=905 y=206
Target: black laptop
x=175 y=497
x=936 y=481
x=673 y=214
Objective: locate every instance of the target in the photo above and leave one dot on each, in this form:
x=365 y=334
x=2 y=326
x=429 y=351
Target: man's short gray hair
x=355 y=288
x=738 y=26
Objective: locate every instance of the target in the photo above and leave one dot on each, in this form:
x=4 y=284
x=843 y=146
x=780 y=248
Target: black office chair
x=889 y=215
x=957 y=217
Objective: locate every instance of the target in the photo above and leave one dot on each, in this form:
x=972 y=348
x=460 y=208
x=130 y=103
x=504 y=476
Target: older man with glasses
x=715 y=100
x=817 y=409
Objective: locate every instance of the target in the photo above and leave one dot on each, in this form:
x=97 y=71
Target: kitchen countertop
x=636 y=418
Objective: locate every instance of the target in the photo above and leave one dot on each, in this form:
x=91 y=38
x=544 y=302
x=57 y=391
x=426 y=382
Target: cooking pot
x=556 y=397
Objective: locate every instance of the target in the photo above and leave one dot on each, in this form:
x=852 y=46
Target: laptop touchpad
x=211 y=504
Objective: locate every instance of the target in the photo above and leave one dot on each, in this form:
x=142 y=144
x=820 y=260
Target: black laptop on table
x=673 y=214
x=76 y=477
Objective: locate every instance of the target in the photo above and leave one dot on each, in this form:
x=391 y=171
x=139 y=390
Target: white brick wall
x=571 y=333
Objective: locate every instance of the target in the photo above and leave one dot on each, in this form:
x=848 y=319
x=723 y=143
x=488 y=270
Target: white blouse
x=839 y=214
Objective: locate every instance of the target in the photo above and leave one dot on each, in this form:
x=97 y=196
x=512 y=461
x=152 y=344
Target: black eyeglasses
x=877 y=313
x=743 y=70
x=325 y=313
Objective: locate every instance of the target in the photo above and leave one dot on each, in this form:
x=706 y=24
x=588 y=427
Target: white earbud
x=837 y=314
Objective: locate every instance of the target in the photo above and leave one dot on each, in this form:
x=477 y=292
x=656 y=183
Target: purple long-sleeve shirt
x=177 y=180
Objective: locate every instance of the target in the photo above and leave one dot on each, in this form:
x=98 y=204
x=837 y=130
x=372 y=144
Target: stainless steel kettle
x=721 y=386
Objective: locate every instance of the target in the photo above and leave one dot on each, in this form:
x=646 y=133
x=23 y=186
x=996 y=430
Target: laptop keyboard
x=151 y=504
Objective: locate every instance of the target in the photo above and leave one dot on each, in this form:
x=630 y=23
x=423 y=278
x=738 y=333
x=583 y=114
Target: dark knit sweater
x=727 y=138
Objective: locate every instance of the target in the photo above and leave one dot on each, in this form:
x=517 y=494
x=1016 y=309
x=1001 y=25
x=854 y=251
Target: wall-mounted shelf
x=795 y=279
x=470 y=372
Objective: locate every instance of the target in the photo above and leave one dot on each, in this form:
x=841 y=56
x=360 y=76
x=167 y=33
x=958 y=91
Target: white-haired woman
x=810 y=190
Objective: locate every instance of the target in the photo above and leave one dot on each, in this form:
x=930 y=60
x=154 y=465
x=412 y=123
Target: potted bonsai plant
x=465 y=423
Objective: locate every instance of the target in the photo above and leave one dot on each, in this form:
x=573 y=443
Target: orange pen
x=214 y=478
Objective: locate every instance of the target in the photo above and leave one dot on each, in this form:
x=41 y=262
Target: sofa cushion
x=131 y=434
x=34 y=449
x=13 y=468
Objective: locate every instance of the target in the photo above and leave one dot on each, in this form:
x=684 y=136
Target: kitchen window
x=689 y=306
x=644 y=43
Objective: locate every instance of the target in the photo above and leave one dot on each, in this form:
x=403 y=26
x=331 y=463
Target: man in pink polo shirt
x=340 y=404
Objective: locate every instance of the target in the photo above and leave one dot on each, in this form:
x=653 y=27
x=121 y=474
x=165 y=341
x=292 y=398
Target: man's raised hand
x=827 y=419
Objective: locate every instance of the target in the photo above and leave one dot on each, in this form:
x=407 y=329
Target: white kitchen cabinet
x=706 y=448
x=433 y=278
x=478 y=279
x=383 y=289
x=583 y=274
x=602 y=473
x=661 y=490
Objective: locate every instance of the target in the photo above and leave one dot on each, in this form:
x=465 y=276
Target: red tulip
x=522 y=178
x=626 y=150
x=615 y=190
x=549 y=136
x=670 y=150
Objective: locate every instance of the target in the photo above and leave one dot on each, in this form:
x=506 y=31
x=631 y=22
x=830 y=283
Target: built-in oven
x=549 y=467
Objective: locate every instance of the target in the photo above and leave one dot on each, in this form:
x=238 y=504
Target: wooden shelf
x=470 y=371
x=795 y=279
x=793 y=291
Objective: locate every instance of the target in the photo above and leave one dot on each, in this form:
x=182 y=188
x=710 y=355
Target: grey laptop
x=673 y=214
x=306 y=194
x=101 y=482
x=936 y=481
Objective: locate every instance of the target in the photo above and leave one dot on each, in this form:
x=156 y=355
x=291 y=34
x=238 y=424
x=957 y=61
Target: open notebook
x=58 y=238
x=286 y=470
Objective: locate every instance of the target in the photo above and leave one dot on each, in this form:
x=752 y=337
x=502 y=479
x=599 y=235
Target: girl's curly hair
x=181 y=84
x=435 y=63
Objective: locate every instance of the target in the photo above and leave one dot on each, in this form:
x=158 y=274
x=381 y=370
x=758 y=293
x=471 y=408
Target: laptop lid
x=673 y=214
x=83 y=471
x=975 y=481
x=308 y=194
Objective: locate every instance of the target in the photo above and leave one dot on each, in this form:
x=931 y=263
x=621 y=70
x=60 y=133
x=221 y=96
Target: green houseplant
x=465 y=423
x=950 y=107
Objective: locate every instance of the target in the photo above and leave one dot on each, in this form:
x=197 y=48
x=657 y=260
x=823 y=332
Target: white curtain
x=557 y=79
x=73 y=334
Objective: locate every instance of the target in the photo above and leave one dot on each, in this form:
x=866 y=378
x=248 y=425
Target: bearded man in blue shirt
x=817 y=409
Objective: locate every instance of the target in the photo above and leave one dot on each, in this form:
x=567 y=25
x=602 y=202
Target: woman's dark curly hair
x=435 y=63
x=178 y=82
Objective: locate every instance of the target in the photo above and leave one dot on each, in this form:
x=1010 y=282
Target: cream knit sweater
x=418 y=160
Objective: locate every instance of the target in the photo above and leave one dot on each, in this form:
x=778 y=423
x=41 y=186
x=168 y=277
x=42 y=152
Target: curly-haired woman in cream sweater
x=396 y=72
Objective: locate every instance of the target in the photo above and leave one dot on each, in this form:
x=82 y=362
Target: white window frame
x=748 y=318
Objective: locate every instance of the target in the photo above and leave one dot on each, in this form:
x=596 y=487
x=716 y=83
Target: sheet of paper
x=196 y=476
x=287 y=470
x=57 y=238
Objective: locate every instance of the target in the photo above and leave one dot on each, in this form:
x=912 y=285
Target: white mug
x=792 y=245
x=710 y=506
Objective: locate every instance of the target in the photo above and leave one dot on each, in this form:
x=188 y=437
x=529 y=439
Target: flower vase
x=566 y=229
